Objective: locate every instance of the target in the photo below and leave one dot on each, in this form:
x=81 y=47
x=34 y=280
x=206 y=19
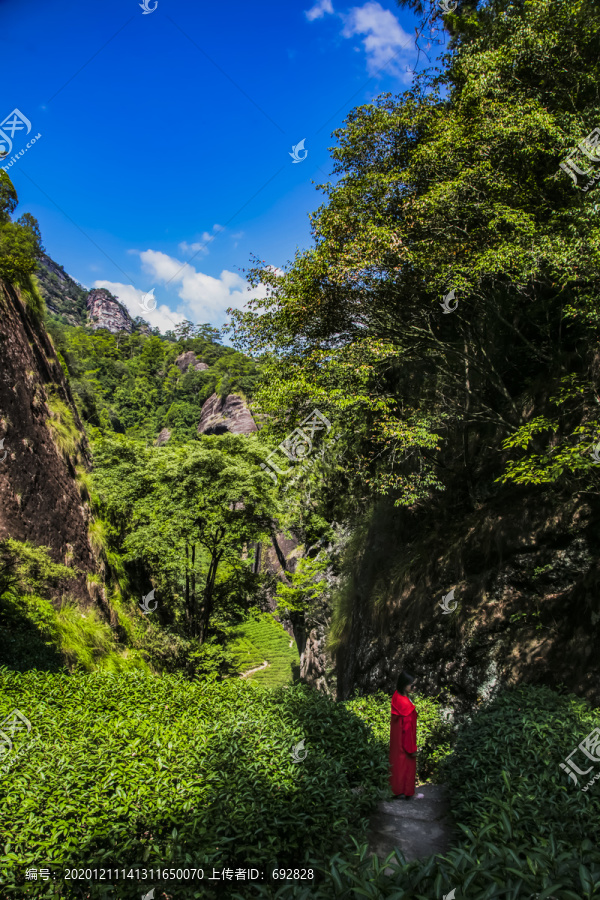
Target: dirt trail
x=257 y=669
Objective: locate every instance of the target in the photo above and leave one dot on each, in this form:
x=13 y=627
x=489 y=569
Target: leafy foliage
x=130 y=383
x=524 y=831
x=19 y=241
x=165 y=503
x=307 y=586
x=34 y=633
x=158 y=770
x=450 y=187
x=261 y=639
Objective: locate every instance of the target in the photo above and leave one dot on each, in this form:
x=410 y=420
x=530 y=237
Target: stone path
x=257 y=669
x=418 y=827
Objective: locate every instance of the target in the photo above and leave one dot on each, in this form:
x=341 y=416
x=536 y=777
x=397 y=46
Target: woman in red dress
x=403 y=740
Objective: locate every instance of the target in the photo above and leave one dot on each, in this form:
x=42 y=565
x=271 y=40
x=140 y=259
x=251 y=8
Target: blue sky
x=164 y=157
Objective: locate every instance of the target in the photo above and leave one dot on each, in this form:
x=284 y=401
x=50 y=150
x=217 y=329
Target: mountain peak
x=105 y=311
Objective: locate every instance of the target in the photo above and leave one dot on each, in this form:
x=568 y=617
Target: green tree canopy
x=187 y=514
x=452 y=190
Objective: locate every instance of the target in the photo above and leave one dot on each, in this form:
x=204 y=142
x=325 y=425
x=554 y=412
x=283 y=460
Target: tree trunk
x=187 y=587
x=207 y=605
x=193 y=604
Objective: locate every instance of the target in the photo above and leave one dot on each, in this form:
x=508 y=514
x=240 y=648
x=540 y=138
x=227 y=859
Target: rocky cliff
x=105 y=311
x=40 y=499
x=64 y=296
x=525 y=606
x=189 y=358
x=230 y=414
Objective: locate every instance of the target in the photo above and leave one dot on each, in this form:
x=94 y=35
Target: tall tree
x=187 y=514
x=455 y=273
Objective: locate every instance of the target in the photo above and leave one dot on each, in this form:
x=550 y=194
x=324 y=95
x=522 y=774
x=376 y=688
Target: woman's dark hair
x=404 y=679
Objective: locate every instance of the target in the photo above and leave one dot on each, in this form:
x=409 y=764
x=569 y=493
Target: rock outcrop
x=105 y=311
x=189 y=358
x=220 y=416
x=525 y=607
x=63 y=295
x=40 y=500
x=163 y=437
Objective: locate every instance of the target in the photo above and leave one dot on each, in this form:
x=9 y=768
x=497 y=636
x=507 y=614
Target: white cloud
x=162 y=317
x=319 y=10
x=385 y=41
x=203 y=244
x=204 y=298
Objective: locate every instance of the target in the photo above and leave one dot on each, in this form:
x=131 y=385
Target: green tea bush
x=526 y=830
x=139 y=769
x=162 y=771
x=264 y=638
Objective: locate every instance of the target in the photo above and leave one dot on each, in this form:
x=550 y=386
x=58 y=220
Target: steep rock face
x=229 y=415
x=105 y=311
x=279 y=558
x=189 y=358
x=39 y=497
x=316 y=666
x=62 y=294
x=525 y=578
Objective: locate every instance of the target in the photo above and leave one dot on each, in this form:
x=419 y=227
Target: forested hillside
x=216 y=559
x=137 y=384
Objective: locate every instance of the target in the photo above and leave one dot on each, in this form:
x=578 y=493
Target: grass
x=37 y=635
x=62 y=425
x=88 y=643
x=263 y=638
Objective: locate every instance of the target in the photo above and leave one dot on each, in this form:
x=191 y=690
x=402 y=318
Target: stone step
x=418 y=827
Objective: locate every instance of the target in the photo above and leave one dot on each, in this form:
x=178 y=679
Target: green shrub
x=262 y=638
x=526 y=830
x=139 y=768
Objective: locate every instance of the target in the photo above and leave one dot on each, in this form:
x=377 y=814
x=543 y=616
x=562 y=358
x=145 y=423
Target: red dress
x=403 y=740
